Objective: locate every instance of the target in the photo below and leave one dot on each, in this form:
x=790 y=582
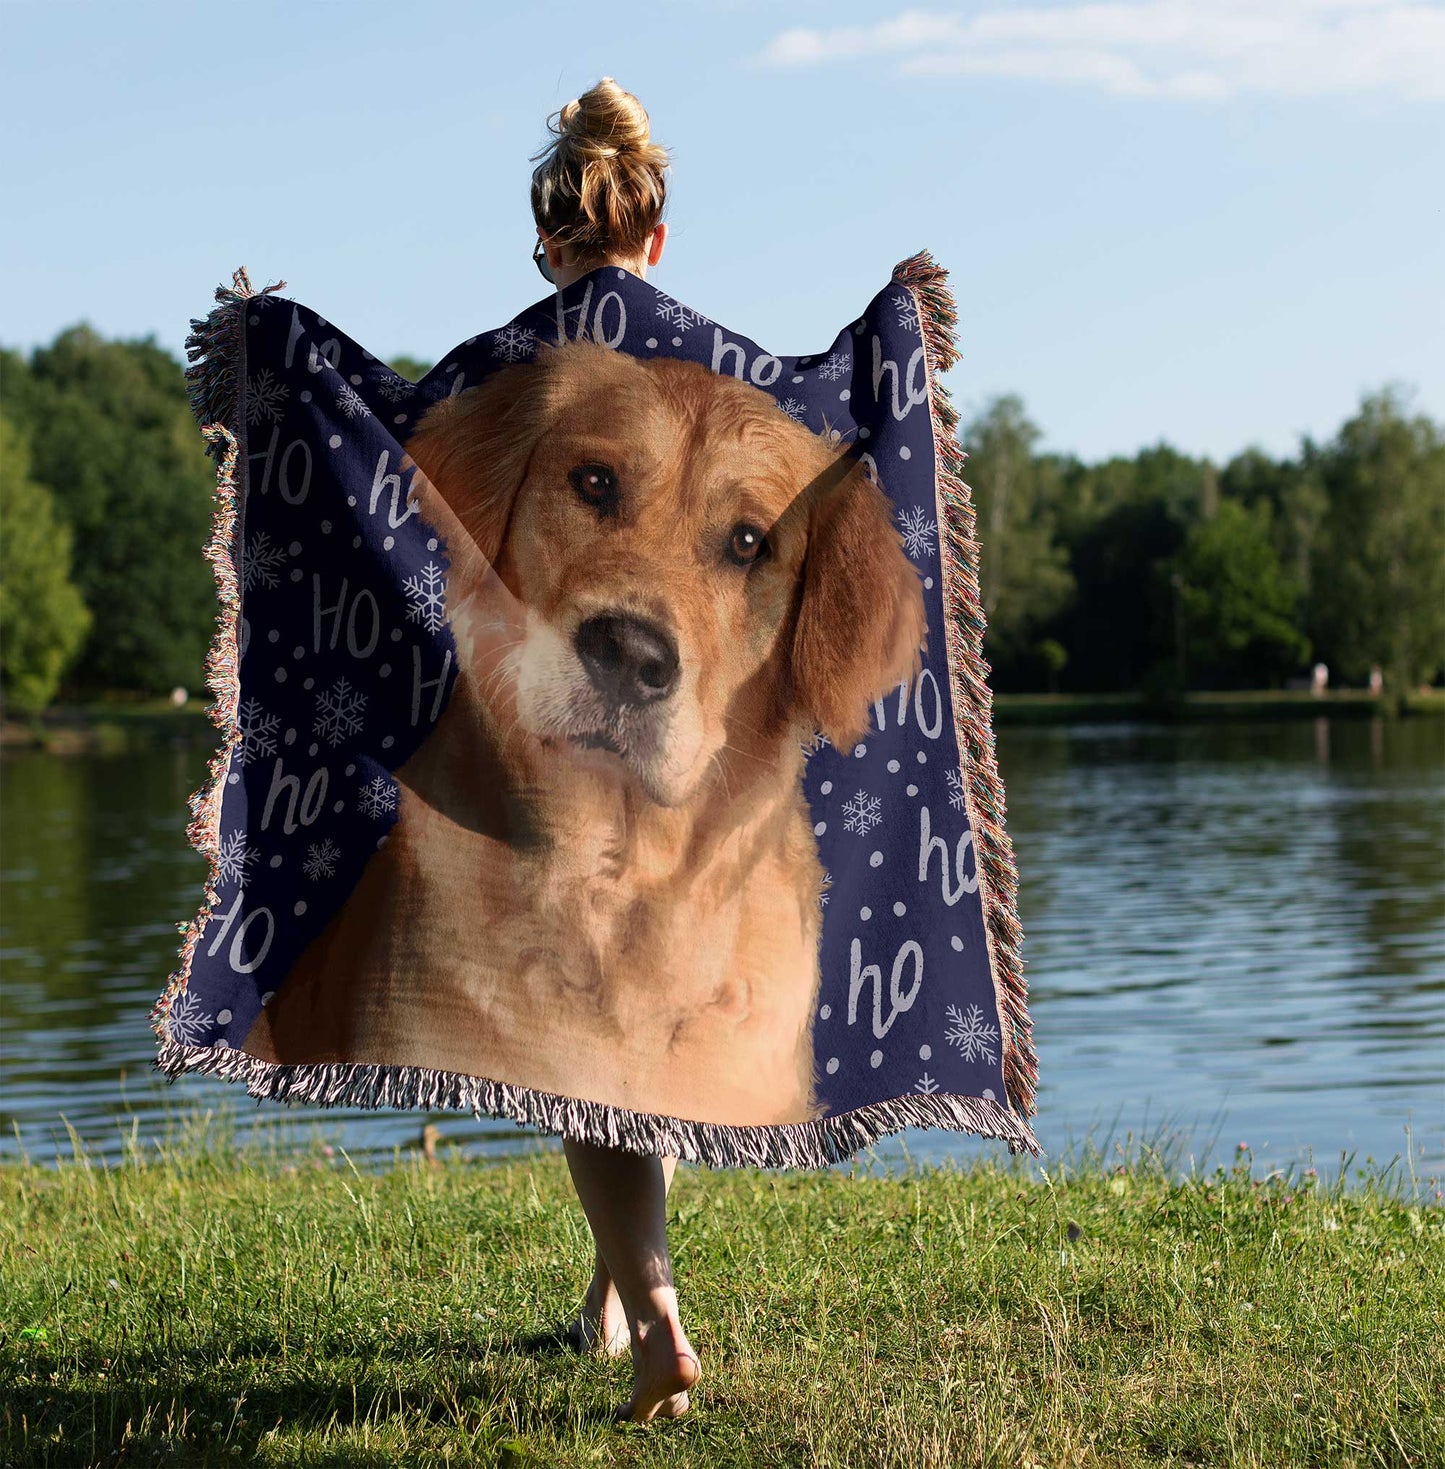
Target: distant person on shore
x=1319 y=680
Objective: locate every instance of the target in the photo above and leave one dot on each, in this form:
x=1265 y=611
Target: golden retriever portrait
x=603 y=880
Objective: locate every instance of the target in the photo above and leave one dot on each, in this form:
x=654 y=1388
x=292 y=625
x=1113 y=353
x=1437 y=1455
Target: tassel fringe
x=968 y=670
x=216 y=379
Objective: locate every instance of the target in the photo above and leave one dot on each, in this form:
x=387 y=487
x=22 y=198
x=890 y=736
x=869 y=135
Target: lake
x=1235 y=932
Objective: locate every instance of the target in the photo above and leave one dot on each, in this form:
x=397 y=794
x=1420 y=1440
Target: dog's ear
x=474 y=447
x=861 y=621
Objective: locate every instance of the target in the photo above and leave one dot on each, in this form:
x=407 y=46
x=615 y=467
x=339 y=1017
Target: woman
x=597 y=197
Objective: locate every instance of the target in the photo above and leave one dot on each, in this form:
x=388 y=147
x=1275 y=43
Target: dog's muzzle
x=631 y=662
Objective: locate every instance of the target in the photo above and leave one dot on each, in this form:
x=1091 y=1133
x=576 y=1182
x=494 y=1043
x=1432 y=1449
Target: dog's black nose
x=631 y=661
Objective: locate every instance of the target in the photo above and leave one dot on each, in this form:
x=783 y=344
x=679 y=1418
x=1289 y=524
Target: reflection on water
x=1233 y=929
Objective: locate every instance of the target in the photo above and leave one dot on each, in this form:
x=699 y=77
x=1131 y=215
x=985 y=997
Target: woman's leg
x=624 y=1196
x=602 y=1322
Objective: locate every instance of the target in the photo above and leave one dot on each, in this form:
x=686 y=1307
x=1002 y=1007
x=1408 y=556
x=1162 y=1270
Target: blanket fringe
x=216 y=378
x=718 y=1145
x=215 y=382
x=968 y=670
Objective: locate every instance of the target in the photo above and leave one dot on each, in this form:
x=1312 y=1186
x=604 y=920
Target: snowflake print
x=955 y=789
x=427 y=593
x=971 y=1033
x=795 y=408
x=260 y=562
x=338 y=712
x=907 y=313
x=257 y=730
x=835 y=367
x=377 y=798
x=394 y=387
x=514 y=343
x=321 y=859
x=265 y=397
x=186 y=1022
x=815 y=742
x=680 y=317
x=917 y=530
x=351 y=403
x=823 y=889
x=234 y=857
x=862 y=813
x=925 y=1084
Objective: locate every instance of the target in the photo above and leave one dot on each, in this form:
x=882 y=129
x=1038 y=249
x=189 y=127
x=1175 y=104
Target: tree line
x=1154 y=573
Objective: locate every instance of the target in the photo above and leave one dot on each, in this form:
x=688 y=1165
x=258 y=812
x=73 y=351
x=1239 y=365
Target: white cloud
x=1178 y=48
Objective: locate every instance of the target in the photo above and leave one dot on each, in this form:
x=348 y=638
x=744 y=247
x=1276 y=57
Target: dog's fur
x=603 y=880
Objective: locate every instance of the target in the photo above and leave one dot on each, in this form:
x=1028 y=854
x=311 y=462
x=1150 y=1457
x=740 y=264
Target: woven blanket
x=606 y=742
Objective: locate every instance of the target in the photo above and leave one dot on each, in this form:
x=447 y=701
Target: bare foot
x=601 y=1325
x=664 y=1366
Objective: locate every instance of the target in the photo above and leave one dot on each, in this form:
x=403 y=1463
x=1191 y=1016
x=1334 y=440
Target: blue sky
x=1210 y=223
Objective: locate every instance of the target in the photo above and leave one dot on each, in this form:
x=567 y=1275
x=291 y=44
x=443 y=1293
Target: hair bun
x=604 y=121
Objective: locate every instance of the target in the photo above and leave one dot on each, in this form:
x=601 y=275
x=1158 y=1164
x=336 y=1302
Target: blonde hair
x=602 y=182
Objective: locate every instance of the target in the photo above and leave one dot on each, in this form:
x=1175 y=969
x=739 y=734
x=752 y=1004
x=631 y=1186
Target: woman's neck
x=564 y=275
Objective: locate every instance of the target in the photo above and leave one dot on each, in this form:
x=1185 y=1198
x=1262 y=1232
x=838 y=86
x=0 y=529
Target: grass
x=207 y=1303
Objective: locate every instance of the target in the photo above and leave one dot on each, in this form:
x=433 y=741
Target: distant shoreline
x=115 y=726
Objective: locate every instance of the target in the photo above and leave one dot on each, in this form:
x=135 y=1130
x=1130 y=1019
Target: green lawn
x=201 y=1304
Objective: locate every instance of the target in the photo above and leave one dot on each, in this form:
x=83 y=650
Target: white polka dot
x=899 y=909
x=254 y=320
x=431 y=544
x=290 y=736
x=338 y=806
x=268 y=997
x=309 y=684
x=859 y=751
x=313 y=747
x=356 y=543
x=858 y=329
x=928 y=582
x=925 y=1053
x=222 y=1044
x=297 y=573
x=451 y=367
x=957 y=943
x=876 y=1060
x=988 y=1095
x=322 y=321
x=300 y=908
x=381 y=841
x=388 y=543
x=356 y=379
x=223 y=1016
x=677 y=341
x=351 y=769
x=922 y=758
x=388 y=742
x=622 y=275
x=832 y=1065
x=273 y=635
x=469 y=341
x=306 y=395
x=367 y=355
x=385 y=670
x=396 y=634
x=325 y=527
x=824 y=1011
x=335 y=441
x=912 y=790
x=820 y=828
x=399 y=418
x=276 y=860
x=798 y=379
x=845 y=395
x=865 y=433
x=351 y=499
x=826 y=787
x=905 y=452
x=280 y=675
x=298 y=651
x=233 y=778
x=876 y=860
x=865 y=914
x=652 y=341
x=893 y=767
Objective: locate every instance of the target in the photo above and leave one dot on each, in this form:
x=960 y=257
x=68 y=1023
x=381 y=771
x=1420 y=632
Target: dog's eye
x=596 y=484
x=747 y=544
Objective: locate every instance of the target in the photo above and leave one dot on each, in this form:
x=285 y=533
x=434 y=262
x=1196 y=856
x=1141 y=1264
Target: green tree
x=1378 y=593
x=1239 y=607
x=1024 y=576
x=112 y=437
x=43 y=619
x=412 y=368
